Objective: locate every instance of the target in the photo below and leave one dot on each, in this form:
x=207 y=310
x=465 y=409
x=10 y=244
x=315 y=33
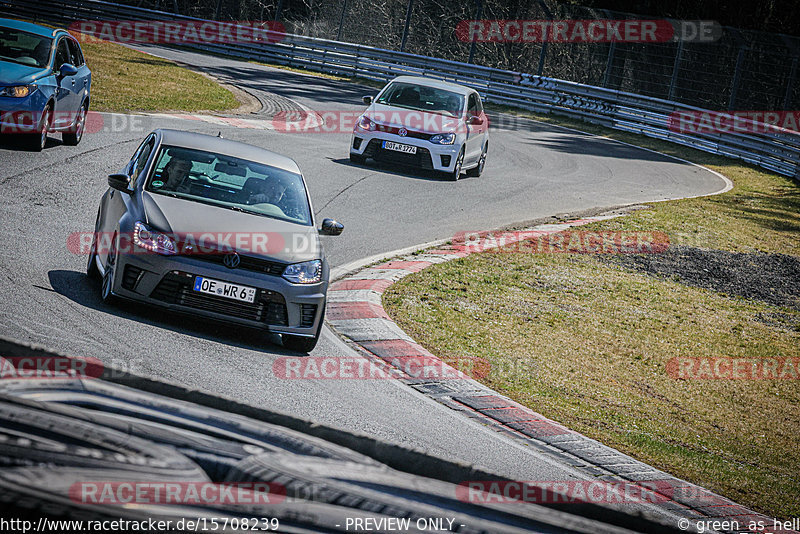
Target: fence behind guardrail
x=612 y=107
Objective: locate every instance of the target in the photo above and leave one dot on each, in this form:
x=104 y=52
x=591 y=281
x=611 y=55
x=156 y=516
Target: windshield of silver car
x=230 y=182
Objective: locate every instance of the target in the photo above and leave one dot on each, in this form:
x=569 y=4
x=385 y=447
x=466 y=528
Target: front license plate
x=224 y=289
x=397 y=147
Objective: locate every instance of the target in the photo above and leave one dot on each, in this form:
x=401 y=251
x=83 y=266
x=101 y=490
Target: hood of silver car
x=253 y=235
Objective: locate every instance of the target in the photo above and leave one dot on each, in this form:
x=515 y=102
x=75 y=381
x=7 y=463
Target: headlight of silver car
x=18 y=91
x=153 y=241
x=443 y=139
x=308 y=272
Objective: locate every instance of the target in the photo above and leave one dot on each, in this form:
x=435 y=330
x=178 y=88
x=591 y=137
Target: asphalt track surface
x=531 y=173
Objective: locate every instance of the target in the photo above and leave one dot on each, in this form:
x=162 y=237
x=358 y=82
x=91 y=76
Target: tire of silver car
x=91 y=266
x=456 y=172
x=477 y=170
x=106 y=290
x=74 y=136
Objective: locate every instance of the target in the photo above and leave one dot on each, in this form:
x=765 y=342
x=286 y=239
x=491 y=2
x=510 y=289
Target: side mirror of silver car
x=120 y=182
x=331 y=227
x=366 y=99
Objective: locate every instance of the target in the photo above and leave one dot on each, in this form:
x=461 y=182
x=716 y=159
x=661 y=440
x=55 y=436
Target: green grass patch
x=125 y=80
x=586 y=342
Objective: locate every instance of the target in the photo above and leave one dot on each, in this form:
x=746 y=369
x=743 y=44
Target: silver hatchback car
x=216 y=228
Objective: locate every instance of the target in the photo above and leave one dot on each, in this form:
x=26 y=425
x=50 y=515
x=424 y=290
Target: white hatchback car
x=424 y=123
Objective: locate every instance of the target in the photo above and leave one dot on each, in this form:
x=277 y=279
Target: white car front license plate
x=397 y=147
x=224 y=289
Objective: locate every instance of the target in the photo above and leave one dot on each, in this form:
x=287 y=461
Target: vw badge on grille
x=231 y=261
x=402 y=132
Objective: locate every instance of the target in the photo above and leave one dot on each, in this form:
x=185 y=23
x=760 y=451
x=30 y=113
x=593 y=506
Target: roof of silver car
x=439 y=84
x=227 y=147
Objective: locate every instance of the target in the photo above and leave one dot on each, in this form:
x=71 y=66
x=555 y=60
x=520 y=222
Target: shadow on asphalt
x=588 y=145
x=78 y=288
x=395 y=170
x=18 y=143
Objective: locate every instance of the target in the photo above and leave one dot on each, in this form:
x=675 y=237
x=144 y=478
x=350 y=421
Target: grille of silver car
x=269 y=307
x=131 y=277
x=248 y=263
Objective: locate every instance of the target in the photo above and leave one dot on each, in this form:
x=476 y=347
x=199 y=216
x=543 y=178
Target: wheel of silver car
x=106 y=293
x=39 y=139
x=456 y=172
x=91 y=266
x=74 y=136
x=478 y=169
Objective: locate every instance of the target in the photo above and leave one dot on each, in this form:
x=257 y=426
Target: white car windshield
x=422 y=98
x=230 y=182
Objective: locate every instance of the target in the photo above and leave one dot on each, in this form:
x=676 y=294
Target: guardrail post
x=675 y=68
x=341 y=20
x=478 y=15
x=543 y=53
x=408 y=21
x=787 y=98
x=737 y=77
x=609 y=63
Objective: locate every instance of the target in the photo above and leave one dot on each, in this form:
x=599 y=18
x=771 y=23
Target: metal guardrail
x=778 y=152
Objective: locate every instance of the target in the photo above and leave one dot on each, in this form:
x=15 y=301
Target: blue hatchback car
x=44 y=83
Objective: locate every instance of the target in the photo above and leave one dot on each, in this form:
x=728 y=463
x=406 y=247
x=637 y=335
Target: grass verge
x=125 y=80
x=596 y=336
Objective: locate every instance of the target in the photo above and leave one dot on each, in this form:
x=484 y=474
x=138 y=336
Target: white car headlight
x=443 y=139
x=153 y=241
x=308 y=272
x=364 y=123
x=18 y=91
